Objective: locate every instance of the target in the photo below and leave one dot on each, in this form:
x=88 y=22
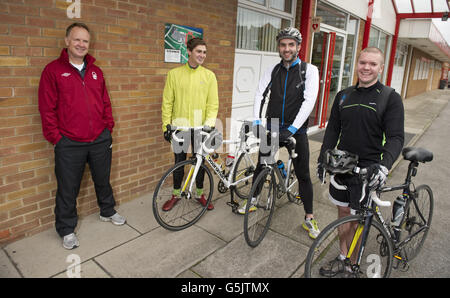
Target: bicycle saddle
x=417 y=154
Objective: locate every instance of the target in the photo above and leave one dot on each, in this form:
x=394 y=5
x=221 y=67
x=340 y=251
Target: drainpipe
x=305 y=27
x=367 y=25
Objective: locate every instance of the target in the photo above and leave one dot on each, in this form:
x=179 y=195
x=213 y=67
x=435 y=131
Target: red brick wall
x=127 y=42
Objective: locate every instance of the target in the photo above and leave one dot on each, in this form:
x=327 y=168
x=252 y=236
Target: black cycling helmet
x=339 y=161
x=291 y=33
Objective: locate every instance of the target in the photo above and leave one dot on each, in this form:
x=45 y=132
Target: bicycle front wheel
x=417 y=221
x=177 y=210
x=259 y=208
x=245 y=167
x=337 y=238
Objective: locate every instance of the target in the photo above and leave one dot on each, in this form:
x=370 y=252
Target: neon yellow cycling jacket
x=190 y=97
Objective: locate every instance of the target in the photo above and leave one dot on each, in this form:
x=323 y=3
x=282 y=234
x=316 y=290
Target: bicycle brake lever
x=293 y=143
x=323 y=180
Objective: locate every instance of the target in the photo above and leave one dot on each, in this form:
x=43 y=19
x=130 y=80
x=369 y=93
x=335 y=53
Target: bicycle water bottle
x=229 y=160
x=398 y=210
x=280 y=164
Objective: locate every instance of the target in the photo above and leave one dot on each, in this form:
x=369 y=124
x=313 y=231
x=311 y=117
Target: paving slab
x=276 y=256
x=88 y=269
x=139 y=213
x=7 y=268
x=288 y=219
x=160 y=253
x=43 y=255
x=221 y=221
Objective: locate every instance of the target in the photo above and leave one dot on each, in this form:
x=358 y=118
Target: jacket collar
x=377 y=85
x=190 y=68
x=64 y=57
x=297 y=61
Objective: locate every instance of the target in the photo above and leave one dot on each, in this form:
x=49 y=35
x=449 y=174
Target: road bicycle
x=375 y=246
x=274 y=181
x=197 y=179
x=240 y=171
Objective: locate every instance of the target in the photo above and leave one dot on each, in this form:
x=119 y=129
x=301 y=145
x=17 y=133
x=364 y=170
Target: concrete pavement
x=215 y=246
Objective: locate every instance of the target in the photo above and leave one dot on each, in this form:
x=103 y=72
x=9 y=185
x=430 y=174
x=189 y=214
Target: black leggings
x=301 y=168
x=180 y=156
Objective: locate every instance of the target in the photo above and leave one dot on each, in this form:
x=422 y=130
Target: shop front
x=333 y=51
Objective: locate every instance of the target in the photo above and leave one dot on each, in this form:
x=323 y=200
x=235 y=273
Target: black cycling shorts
x=350 y=197
x=338 y=197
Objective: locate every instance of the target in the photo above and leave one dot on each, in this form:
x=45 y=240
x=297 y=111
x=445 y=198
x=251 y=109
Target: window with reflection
x=380 y=40
x=400 y=54
x=350 y=47
x=282 y=5
x=262 y=2
x=373 y=37
x=331 y=16
x=257 y=31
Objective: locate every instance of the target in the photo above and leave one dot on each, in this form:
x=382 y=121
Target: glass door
x=336 y=72
x=327 y=55
x=320 y=53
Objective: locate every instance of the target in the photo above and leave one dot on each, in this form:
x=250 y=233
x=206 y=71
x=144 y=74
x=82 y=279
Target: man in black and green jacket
x=366 y=120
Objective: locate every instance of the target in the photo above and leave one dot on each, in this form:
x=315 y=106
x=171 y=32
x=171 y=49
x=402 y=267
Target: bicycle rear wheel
x=322 y=260
x=186 y=209
x=260 y=207
x=418 y=216
x=245 y=167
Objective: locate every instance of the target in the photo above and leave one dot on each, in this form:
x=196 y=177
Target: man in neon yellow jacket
x=190 y=98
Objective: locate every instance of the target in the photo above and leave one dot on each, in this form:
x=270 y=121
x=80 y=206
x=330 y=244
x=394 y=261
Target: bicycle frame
x=204 y=153
x=280 y=177
x=362 y=242
x=369 y=212
x=285 y=180
x=242 y=149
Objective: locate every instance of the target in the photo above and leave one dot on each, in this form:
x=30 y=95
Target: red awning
x=416 y=9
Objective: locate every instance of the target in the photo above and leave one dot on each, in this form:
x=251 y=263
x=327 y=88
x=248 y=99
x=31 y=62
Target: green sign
x=175 y=39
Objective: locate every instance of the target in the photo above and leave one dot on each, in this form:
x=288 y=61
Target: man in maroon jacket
x=77 y=118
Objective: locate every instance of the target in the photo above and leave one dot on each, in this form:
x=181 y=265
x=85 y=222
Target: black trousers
x=70 y=161
x=181 y=155
x=301 y=168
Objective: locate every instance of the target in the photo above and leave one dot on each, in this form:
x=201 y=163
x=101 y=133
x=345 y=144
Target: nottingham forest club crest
x=94 y=75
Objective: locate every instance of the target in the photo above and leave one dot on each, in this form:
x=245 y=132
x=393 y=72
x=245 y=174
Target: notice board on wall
x=175 y=39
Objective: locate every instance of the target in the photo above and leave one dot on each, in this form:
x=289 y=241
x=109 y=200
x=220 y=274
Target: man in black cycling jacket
x=293 y=94
x=366 y=123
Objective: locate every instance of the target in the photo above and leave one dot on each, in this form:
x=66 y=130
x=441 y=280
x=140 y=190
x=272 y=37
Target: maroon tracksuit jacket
x=78 y=108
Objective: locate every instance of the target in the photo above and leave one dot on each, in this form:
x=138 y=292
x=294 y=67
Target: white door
x=257 y=25
x=249 y=67
x=398 y=70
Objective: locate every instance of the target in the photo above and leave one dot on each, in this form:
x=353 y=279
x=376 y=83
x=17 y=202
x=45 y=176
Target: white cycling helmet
x=291 y=33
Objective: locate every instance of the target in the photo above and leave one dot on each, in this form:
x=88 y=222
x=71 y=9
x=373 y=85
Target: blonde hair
x=373 y=50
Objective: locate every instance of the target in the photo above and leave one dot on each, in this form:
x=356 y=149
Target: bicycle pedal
x=401 y=265
x=298 y=200
x=405 y=267
x=234 y=206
